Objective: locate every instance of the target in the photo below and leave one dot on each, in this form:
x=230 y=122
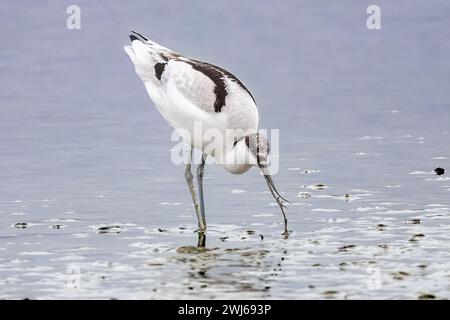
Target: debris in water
x=413 y=221
x=416 y=237
x=191 y=250
x=330 y=293
x=439 y=171
x=304 y=195
x=162 y=230
x=319 y=186
x=21 y=225
x=427 y=296
x=262 y=237
x=342 y=266
x=306 y=171
x=110 y=229
x=345 y=248
x=400 y=275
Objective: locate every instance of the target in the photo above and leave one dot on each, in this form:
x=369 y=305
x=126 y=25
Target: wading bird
x=188 y=92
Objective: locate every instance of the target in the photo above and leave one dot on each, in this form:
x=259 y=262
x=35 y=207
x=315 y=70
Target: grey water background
x=85 y=157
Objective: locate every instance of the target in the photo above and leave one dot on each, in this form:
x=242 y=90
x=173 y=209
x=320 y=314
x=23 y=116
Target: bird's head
x=251 y=150
x=259 y=151
x=257 y=147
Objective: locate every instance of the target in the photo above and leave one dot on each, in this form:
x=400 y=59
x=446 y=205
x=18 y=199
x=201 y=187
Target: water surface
x=92 y=207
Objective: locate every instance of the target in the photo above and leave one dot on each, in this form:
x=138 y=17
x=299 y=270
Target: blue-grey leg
x=189 y=179
x=200 y=173
x=201 y=240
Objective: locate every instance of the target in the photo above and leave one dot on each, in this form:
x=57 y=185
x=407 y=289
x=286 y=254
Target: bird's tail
x=159 y=52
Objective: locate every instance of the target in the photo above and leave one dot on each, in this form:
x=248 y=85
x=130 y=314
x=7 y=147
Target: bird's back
x=187 y=90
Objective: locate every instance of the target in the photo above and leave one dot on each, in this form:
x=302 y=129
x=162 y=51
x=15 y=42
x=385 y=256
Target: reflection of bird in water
x=190 y=94
x=249 y=271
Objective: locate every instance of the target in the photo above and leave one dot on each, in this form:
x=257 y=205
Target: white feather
x=185 y=98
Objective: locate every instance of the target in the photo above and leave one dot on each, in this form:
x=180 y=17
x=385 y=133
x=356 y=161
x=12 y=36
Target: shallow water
x=92 y=207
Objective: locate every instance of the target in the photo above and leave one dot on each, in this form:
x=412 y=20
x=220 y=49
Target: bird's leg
x=278 y=198
x=281 y=205
x=189 y=179
x=200 y=173
x=201 y=240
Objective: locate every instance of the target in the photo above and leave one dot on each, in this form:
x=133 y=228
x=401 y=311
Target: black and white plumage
x=189 y=93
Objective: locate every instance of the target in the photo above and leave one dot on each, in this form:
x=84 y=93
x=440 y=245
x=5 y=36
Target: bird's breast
x=237 y=168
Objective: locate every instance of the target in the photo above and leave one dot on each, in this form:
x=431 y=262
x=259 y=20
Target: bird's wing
x=204 y=85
